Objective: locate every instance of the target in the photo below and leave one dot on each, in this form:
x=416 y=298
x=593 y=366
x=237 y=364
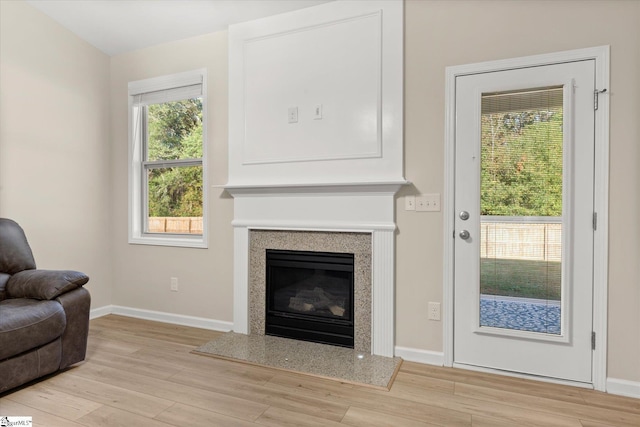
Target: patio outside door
x=524 y=173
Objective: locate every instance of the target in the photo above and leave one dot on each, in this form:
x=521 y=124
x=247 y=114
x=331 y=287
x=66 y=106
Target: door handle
x=464 y=235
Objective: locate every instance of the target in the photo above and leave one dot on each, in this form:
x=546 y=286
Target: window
x=167 y=171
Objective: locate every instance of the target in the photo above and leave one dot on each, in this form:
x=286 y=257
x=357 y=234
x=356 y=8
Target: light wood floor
x=141 y=373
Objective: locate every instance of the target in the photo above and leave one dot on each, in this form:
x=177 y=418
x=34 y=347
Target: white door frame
x=601 y=196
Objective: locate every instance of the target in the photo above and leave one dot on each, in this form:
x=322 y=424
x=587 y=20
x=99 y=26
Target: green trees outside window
x=174 y=132
x=522 y=163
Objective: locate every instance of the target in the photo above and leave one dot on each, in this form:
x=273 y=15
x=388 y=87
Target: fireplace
x=309 y=296
x=355 y=219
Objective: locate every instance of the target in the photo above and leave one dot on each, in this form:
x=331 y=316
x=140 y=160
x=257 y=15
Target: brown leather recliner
x=44 y=314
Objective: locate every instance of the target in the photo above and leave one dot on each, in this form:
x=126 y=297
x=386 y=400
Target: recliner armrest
x=44 y=284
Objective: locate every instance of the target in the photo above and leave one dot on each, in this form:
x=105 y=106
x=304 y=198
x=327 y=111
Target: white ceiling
x=118 y=26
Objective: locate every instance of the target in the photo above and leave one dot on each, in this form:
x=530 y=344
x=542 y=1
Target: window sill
x=198 y=242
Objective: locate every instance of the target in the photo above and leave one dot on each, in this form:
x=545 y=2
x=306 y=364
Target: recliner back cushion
x=15 y=253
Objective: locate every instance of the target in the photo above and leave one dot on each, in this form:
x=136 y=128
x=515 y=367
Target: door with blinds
x=524 y=168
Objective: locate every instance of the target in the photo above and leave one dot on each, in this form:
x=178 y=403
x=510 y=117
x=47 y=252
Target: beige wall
x=437 y=34
x=444 y=33
x=54 y=144
x=142 y=273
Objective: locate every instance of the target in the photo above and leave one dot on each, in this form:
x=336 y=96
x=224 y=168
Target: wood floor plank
x=235 y=370
x=144 y=342
x=107 y=416
x=482 y=421
x=136 y=364
x=361 y=417
x=99 y=345
x=279 y=417
x=426 y=383
x=185 y=415
x=587 y=423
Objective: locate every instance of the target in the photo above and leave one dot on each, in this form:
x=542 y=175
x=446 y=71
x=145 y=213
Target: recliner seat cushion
x=27 y=323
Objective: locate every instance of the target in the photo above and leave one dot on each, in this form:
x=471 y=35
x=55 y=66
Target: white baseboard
x=420 y=356
x=159 y=316
x=623 y=387
x=100 y=311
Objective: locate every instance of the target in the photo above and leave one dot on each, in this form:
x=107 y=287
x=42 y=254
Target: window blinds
x=534 y=99
x=154 y=91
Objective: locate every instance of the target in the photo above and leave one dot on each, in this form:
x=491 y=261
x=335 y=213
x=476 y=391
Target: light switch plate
x=410 y=203
x=428 y=202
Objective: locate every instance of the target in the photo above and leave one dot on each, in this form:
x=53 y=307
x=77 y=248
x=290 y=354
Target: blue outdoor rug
x=522 y=314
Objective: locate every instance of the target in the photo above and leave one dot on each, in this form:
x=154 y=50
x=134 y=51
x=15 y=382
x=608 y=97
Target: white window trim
x=136 y=198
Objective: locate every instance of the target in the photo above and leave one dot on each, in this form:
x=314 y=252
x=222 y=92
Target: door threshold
x=521 y=375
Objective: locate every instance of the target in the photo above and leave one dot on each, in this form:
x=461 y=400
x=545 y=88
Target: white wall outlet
x=410 y=203
x=293 y=114
x=174 y=284
x=434 y=311
x=428 y=202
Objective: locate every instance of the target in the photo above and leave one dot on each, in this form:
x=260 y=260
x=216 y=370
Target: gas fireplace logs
x=317 y=299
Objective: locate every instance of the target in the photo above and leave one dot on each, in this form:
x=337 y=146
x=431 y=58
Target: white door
x=524 y=169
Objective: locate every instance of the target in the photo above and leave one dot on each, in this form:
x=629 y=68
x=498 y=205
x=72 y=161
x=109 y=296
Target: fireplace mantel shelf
x=315 y=188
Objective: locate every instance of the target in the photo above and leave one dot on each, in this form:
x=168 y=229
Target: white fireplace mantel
x=353 y=207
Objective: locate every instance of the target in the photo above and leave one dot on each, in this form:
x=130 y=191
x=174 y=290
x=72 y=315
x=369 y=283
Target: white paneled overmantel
x=315 y=136
x=338 y=69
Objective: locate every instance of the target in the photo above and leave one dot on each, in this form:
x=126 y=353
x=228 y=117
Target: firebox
x=309 y=296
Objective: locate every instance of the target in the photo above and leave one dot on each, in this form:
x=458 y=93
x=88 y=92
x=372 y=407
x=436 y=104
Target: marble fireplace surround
x=354 y=218
x=359 y=244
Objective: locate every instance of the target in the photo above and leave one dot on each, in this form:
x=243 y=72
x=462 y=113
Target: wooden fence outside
x=529 y=241
x=180 y=225
x=508 y=240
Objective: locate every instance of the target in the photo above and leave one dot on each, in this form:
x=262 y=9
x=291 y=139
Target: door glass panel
x=521 y=210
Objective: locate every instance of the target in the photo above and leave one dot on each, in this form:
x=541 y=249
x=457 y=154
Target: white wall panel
x=335 y=65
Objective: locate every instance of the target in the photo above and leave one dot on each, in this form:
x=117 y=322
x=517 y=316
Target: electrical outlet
x=434 y=311
x=174 y=284
x=410 y=203
x=292 y=114
x=428 y=202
